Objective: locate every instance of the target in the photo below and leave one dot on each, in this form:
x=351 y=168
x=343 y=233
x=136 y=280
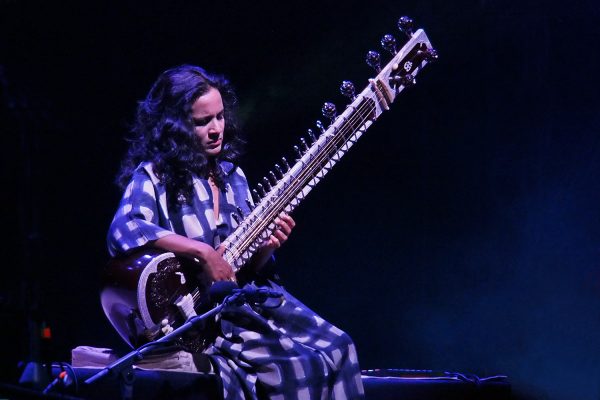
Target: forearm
x=213 y=265
x=183 y=246
x=259 y=259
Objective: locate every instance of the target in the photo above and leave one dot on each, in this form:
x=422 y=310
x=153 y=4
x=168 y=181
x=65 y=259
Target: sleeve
x=136 y=221
x=241 y=191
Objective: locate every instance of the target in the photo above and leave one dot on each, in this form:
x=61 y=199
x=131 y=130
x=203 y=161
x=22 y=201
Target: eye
x=221 y=115
x=201 y=121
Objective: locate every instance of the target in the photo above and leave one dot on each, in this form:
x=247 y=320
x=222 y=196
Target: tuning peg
x=279 y=170
x=388 y=42
x=405 y=24
x=285 y=163
x=273 y=178
x=431 y=55
x=298 y=152
x=240 y=211
x=312 y=136
x=320 y=126
x=329 y=111
x=374 y=60
x=348 y=90
x=304 y=144
x=236 y=218
x=261 y=190
x=407 y=80
x=249 y=204
x=266 y=183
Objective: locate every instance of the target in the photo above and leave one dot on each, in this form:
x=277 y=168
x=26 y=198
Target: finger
x=275 y=243
x=288 y=219
x=269 y=242
x=282 y=226
x=280 y=235
x=226 y=277
x=229 y=274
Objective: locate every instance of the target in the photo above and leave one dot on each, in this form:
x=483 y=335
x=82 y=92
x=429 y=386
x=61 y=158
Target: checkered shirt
x=280 y=353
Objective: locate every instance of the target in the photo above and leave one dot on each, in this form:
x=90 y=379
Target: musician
x=183 y=193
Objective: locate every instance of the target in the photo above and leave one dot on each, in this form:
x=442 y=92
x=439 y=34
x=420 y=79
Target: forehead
x=210 y=103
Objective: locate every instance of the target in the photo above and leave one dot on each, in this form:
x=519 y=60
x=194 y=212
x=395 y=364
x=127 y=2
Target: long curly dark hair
x=163 y=132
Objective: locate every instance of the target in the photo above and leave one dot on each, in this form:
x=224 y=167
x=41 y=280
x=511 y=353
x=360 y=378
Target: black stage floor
x=379 y=385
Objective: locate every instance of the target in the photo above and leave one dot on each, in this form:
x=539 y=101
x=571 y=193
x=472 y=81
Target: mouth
x=214 y=144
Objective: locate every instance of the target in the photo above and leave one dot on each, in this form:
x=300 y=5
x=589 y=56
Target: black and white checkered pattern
x=282 y=353
x=288 y=352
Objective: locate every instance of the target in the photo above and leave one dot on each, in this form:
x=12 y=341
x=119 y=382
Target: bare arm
x=214 y=266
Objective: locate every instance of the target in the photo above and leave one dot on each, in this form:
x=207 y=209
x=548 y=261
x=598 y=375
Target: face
x=209 y=121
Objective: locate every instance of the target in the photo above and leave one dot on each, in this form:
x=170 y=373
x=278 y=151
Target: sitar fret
x=328 y=149
x=305 y=174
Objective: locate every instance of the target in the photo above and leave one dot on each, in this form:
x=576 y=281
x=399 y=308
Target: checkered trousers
x=284 y=353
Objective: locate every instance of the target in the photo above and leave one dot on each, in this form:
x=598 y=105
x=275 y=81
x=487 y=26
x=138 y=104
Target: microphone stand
x=123 y=367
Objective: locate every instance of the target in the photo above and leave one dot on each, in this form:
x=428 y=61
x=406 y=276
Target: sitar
x=149 y=293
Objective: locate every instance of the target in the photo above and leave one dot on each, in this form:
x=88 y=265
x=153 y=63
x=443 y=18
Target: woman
x=183 y=191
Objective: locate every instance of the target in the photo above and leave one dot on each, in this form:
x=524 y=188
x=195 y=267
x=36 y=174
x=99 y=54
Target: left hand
x=284 y=225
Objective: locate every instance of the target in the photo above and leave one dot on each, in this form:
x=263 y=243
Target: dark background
x=462 y=232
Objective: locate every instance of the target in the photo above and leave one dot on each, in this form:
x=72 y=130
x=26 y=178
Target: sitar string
x=266 y=215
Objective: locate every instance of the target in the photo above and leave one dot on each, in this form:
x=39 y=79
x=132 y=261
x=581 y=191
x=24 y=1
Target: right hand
x=216 y=268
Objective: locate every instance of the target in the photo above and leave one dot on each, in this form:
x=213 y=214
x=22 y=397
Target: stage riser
x=150 y=384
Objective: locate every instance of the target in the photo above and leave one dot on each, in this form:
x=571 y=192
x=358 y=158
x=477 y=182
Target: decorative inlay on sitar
x=151 y=293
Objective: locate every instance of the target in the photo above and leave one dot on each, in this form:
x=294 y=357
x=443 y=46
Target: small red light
x=46 y=333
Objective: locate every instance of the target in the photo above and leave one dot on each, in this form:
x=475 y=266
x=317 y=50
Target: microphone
x=229 y=292
x=256 y=295
x=220 y=290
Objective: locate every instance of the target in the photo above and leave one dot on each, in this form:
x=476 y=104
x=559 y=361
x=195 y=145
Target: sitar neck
x=333 y=143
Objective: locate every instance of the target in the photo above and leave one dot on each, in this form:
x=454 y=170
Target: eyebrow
x=209 y=115
x=205 y=119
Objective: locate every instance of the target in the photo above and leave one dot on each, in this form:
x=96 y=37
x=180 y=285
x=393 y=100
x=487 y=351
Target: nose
x=215 y=126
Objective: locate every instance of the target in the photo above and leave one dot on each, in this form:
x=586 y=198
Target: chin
x=213 y=152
